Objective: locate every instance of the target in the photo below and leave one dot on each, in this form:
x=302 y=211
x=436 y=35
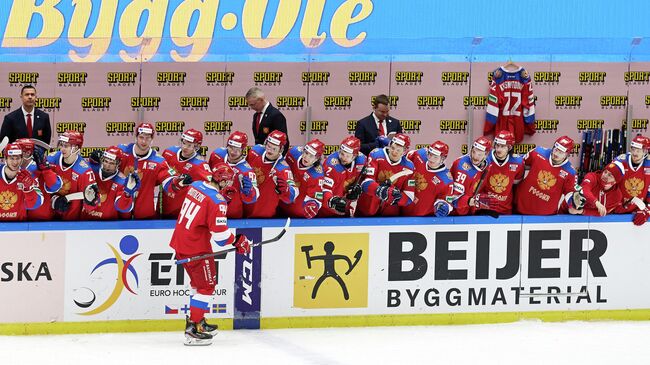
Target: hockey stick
x=201 y=257
x=390 y=181
x=489 y=212
x=353 y=204
x=4 y=143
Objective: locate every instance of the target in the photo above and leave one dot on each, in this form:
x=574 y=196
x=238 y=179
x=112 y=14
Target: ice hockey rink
x=528 y=342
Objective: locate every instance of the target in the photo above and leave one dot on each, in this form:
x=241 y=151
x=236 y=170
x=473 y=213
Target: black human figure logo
x=329 y=270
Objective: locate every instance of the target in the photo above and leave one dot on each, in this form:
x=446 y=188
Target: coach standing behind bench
x=266 y=118
x=376 y=130
x=27 y=122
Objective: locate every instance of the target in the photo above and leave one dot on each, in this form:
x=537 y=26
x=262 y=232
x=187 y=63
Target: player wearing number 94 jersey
x=201 y=224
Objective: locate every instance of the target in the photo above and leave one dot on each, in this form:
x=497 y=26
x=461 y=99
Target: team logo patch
x=546 y=180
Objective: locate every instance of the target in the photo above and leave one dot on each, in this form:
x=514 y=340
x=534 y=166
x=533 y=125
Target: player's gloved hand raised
x=310 y=209
x=228 y=193
x=179 y=182
x=354 y=192
x=641 y=216
x=40 y=158
x=243 y=244
x=382 y=191
x=382 y=141
x=25 y=181
x=337 y=204
x=96 y=156
x=91 y=195
x=442 y=208
x=132 y=184
x=246 y=185
x=60 y=203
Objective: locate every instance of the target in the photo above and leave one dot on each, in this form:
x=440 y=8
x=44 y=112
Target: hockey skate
x=209 y=328
x=195 y=335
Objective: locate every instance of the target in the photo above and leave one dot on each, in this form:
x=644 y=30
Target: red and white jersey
x=466 y=177
x=112 y=199
x=201 y=221
x=266 y=172
x=338 y=179
x=636 y=182
x=546 y=187
x=378 y=170
x=500 y=180
x=196 y=168
x=592 y=188
x=153 y=171
x=237 y=199
x=76 y=178
x=45 y=211
x=511 y=104
x=308 y=180
x=431 y=185
x=14 y=203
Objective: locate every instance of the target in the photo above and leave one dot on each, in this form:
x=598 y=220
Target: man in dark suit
x=266 y=118
x=376 y=130
x=27 y=122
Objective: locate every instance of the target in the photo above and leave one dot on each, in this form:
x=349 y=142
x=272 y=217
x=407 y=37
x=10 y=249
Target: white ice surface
x=529 y=342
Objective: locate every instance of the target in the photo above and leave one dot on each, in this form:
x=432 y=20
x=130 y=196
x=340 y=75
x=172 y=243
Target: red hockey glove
x=228 y=193
x=311 y=209
x=243 y=244
x=49 y=177
x=281 y=185
x=26 y=182
x=641 y=216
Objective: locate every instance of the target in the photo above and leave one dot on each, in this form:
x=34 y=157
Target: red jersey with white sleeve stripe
x=196 y=168
x=431 y=185
x=76 y=178
x=308 y=180
x=14 y=203
x=237 y=198
x=338 y=179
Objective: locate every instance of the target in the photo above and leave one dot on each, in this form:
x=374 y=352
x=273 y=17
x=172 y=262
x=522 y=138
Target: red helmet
x=315 y=147
x=438 y=148
x=277 y=138
x=238 y=139
x=145 y=128
x=113 y=153
x=192 y=136
x=72 y=137
x=13 y=149
x=617 y=170
x=26 y=144
x=403 y=140
x=222 y=171
x=351 y=144
x=505 y=138
x=564 y=144
x=641 y=142
x=482 y=144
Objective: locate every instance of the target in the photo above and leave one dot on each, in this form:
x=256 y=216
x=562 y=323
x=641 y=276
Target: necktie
x=29 y=125
x=258 y=118
x=382 y=131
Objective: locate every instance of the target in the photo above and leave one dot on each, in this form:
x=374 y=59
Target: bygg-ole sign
x=178 y=30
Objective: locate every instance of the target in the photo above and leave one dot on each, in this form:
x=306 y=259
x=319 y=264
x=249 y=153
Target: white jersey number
x=507 y=110
x=189 y=210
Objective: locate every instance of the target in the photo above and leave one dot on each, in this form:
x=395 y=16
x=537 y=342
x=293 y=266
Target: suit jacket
x=15 y=127
x=367 y=132
x=272 y=120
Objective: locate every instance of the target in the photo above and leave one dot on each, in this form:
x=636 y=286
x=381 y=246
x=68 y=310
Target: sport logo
x=61 y=127
x=431 y=102
x=128 y=246
x=547 y=77
x=5 y=102
x=523 y=148
x=85 y=152
x=121 y=78
x=95 y=103
x=592 y=78
x=453 y=126
x=316 y=126
x=583 y=124
x=48 y=104
x=613 y=101
x=362 y=77
x=331 y=270
x=290 y=102
x=337 y=102
x=194 y=102
x=315 y=78
x=392 y=100
x=219 y=78
x=237 y=103
x=637 y=77
x=328 y=149
x=120 y=128
x=647 y=101
x=450 y=78
x=479 y=102
x=546 y=125
x=174 y=78
x=568 y=101
x=146 y=102
x=71 y=78
x=21 y=78
x=637 y=124
x=215 y=127
x=352 y=125
x=410 y=126
x=267 y=78
x=170 y=127
x=409 y=77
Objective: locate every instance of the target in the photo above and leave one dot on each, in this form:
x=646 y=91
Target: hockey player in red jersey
x=201 y=223
x=115 y=190
x=511 y=103
x=308 y=177
x=601 y=190
x=433 y=183
x=549 y=185
x=467 y=172
x=77 y=176
x=388 y=184
x=636 y=182
x=152 y=171
x=245 y=190
x=503 y=171
x=19 y=191
x=186 y=164
x=341 y=183
x=274 y=177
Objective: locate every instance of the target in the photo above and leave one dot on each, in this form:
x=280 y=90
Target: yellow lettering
x=153 y=30
x=20 y=20
x=201 y=39
x=100 y=38
x=343 y=18
x=253 y=15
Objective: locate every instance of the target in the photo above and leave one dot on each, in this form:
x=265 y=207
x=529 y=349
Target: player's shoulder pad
x=281 y=165
x=316 y=171
x=569 y=168
x=257 y=149
x=407 y=163
x=154 y=157
x=53 y=158
x=516 y=158
x=172 y=150
x=376 y=153
x=126 y=148
x=445 y=176
x=221 y=152
x=361 y=159
x=295 y=152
